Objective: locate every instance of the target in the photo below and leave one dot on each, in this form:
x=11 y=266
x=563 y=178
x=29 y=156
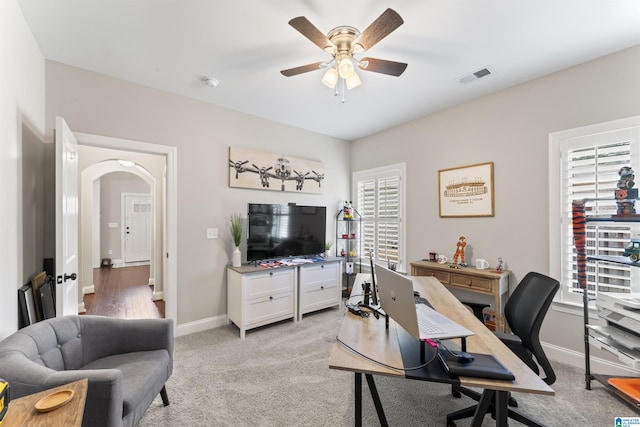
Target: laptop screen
x=396 y=298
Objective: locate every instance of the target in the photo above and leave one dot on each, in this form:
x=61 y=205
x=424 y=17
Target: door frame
x=170 y=225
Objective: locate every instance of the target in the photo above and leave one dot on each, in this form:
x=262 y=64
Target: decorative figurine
x=500 y=267
x=460 y=250
x=347 y=210
x=625 y=193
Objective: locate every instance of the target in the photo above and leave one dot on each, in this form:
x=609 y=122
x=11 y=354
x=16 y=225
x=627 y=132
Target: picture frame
x=260 y=170
x=27 y=308
x=466 y=191
x=37 y=280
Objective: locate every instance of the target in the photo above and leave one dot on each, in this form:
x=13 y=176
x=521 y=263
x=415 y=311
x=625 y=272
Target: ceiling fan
x=343 y=43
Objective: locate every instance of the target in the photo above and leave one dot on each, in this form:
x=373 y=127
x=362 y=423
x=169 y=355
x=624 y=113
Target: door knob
x=72 y=276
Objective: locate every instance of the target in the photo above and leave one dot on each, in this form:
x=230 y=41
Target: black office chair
x=524 y=311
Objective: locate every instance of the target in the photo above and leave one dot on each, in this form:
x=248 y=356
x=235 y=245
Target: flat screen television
x=280 y=231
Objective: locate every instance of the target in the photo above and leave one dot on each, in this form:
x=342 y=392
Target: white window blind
x=589 y=170
x=379 y=202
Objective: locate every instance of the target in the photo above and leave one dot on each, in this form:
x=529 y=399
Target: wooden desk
x=487 y=282
x=370 y=338
x=22 y=411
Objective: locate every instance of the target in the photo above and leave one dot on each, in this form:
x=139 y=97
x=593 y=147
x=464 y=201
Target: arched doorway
x=101 y=208
x=165 y=268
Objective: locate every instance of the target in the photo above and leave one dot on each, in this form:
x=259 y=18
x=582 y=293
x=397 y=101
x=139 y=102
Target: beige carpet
x=279 y=376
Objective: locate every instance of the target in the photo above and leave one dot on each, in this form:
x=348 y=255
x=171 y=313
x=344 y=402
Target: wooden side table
x=488 y=282
x=22 y=411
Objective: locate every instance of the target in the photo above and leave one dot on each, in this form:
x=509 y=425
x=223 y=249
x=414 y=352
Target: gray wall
x=21 y=127
x=511 y=129
x=202 y=133
x=112 y=185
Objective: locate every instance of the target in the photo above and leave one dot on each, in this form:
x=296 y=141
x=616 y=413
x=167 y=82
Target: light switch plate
x=212 y=233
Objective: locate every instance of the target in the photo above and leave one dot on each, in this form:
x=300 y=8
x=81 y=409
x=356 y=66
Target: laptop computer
x=397 y=300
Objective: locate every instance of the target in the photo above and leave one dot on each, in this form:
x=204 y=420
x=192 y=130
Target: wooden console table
x=22 y=411
x=487 y=282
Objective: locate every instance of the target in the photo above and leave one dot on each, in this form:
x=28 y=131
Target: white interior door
x=66 y=148
x=137 y=228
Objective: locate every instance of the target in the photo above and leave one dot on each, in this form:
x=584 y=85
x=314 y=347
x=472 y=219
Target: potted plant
x=327 y=248
x=235 y=227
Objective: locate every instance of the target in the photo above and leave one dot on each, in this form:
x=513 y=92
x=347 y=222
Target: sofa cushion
x=143 y=374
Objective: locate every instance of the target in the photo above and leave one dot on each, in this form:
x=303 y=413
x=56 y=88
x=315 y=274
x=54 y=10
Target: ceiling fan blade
x=303 y=69
x=383 y=66
x=307 y=29
x=379 y=29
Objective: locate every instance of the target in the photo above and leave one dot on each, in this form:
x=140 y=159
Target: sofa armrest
x=103 y=405
x=104 y=336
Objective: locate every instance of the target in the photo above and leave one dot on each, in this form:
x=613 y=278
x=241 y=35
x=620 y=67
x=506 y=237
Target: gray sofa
x=127 y=363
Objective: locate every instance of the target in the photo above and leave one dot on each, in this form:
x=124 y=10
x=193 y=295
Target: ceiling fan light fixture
x=353 y=81
x=330 y=78
x=346 y=67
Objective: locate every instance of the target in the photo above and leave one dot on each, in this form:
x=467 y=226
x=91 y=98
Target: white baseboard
x=576 y=359
x=119 y=263
x=90 y=289
x=157 y=296
x=200 y=325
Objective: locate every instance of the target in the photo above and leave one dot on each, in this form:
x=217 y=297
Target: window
x=584 y=164
x=379 y=199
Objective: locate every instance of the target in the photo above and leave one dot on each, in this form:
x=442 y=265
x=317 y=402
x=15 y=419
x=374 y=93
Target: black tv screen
x=280 y=231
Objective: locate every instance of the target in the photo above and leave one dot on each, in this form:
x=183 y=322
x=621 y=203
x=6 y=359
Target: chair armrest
x=103 y=405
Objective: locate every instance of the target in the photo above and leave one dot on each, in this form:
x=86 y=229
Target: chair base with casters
x=524 y=312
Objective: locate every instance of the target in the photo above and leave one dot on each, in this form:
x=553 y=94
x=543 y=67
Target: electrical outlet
x=212 y=233
x=348 y=267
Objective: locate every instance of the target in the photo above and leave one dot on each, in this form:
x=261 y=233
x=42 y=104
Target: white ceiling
x=172 y=44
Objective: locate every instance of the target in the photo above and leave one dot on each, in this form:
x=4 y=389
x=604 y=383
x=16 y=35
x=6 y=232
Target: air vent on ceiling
x=468 y=78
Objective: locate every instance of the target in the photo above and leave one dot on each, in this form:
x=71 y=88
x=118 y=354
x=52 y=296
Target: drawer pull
x=469 y=282
x=270 y=298
x=271 y=273
x=322 y=266
x=322 y=287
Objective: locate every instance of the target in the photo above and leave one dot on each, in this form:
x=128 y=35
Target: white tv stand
x=258 y=296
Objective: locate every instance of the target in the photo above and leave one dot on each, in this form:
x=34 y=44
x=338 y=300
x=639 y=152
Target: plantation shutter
x=590 y=171
x=379 y=202
x=388 y=219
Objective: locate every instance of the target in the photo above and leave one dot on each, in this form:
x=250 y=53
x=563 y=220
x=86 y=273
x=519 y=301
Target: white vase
x=236 y=257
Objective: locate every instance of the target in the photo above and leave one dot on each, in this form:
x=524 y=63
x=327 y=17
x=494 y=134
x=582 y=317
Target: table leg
x=376 y=400
x=502 y=411
x=483 y=407
x=358 y=397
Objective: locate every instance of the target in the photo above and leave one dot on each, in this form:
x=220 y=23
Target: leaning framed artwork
x=466 y=191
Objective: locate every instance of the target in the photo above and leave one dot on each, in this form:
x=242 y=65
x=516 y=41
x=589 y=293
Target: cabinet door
x=319 y=286
x=265 y=284
x=264 y=309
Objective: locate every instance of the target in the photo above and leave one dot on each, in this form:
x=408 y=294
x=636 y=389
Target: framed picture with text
x=466 y=191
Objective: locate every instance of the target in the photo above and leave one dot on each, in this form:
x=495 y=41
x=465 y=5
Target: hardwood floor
x=124 y=293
